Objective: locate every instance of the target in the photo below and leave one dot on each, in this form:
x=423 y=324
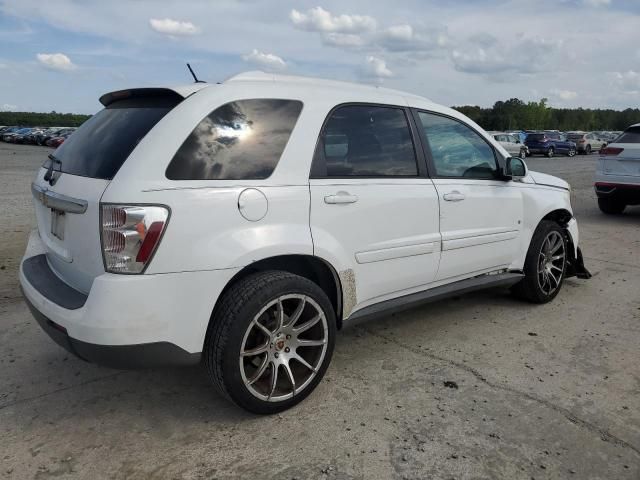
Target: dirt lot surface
x=481 y=386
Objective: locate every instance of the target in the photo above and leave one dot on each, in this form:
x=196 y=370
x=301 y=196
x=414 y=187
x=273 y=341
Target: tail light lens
x=130 y=235
x=611 y=151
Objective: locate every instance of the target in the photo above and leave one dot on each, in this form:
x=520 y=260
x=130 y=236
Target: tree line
x=35 y=119
x=514 y=114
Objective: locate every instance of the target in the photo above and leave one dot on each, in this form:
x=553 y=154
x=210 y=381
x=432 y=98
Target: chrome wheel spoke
x=298 y=358
x=295 y=316
x=308 y=324
x=274 y=378
x=264 y=329
x=261 y=369
x=279 y=316
x=310 y=343
x=256 y=351
x=287 y=369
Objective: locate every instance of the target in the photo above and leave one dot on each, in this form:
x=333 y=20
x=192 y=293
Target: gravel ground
x=480 y=386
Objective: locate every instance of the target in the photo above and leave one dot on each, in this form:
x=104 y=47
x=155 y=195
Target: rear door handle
x=454 y=196
x=340 y=197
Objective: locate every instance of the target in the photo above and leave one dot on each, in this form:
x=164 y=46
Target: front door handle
x=454 y=196
x=340 y=197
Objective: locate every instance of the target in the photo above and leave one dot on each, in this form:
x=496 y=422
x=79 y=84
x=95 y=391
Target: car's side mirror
x=515 y=168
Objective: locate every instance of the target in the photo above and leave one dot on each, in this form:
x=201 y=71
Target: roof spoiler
x=109 y=98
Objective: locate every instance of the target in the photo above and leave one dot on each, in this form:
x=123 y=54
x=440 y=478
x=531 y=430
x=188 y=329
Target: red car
x=55 y=142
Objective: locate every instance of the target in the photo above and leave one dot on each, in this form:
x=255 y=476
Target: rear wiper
x=48 y=177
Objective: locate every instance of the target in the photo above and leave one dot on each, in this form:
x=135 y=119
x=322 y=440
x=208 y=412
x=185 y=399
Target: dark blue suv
x=549 y=143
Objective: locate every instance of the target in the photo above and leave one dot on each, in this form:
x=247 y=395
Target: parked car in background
x=511 y=143
x=587 y=142
x=22 y=135
x=55 y=142
x=617 y=180
x=47 y=135
x=10 y=136
x=549 y=143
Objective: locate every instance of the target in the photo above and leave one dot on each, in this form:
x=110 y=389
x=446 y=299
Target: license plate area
x=57 y=223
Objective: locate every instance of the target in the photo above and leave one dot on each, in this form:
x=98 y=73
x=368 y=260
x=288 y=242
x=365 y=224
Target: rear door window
x=366 y=141
x=102 y=144
x=241 y=140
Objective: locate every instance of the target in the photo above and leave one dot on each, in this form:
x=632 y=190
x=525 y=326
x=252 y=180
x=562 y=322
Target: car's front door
x=374 y=212
x=480 y=214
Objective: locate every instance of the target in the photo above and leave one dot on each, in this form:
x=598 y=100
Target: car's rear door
x=68 y=188
x=480 y=214
x=374 y=212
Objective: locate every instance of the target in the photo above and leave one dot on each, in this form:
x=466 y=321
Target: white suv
x=243 y=224
x=617 y=179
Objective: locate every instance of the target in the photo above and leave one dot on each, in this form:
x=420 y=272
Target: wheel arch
x=314 y=268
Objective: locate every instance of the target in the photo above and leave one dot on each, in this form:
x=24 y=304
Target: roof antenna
x=194 y=75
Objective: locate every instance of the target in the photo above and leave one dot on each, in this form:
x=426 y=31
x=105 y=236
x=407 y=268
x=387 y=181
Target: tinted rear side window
x=240 y=140
x=366 y=141
x=631 y=135
x=535 y=136
x=102 y=144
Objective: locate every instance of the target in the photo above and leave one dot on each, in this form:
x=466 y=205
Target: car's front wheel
x=270 y=341
x=523 y=153
x=545 y=264
x=550 y=152
x=572 y=152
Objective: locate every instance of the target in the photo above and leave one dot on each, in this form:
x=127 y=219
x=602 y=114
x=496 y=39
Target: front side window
x=367 y=141
x=456 y=149
x=241 y=140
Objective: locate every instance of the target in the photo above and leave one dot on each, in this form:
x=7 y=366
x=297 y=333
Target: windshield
x=102 y=144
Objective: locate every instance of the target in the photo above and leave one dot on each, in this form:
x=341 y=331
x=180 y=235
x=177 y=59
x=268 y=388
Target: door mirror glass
x=515 y=168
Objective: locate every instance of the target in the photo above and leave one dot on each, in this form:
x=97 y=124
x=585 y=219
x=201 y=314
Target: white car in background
x=242 y=224
x=511 y=143
x=617 y=181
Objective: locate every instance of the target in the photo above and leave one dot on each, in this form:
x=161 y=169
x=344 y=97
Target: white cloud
x=564 y=94
x=55 y=61
x=7 y=107
x=343 y=40
x=171 y=27
x=628 y=82
x=320 y=20
x=376 y=68
x=265 y=60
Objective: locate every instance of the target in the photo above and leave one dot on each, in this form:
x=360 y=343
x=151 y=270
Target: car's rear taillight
x=130 y=235
x=611 y=151
x=582 y=140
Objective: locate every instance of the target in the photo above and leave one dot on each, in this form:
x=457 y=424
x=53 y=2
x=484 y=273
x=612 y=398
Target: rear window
x=102 y=144
x=575 y=136
x=631 y=135
x=241 y=140
x=535 y=136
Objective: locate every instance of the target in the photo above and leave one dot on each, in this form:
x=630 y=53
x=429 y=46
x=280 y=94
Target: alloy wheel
x=551 y=262
x=283 y=347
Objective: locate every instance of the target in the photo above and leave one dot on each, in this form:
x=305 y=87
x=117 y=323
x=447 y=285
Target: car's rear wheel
x=545 y=264
x=587 y=150
x=572 y=152
x=550 y=152
x=523 y=153
x=611 y=206
x=270 y=341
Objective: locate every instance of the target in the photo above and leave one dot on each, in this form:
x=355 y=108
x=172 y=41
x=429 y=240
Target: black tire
x=523 y=153
x=571 y=152
x=550 y=152
x=587 y=151
x=611 y=206
x=529 y=287
x=230 y=322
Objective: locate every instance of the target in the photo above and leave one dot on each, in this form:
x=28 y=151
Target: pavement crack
x=612 y=262
x=571 y=417
x=63 y=389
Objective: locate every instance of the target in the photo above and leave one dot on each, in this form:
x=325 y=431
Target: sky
x=63 y=54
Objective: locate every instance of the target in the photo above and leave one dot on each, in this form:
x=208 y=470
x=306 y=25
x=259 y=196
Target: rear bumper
x=145 y=355
x=125 y=321
x=623 y=192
